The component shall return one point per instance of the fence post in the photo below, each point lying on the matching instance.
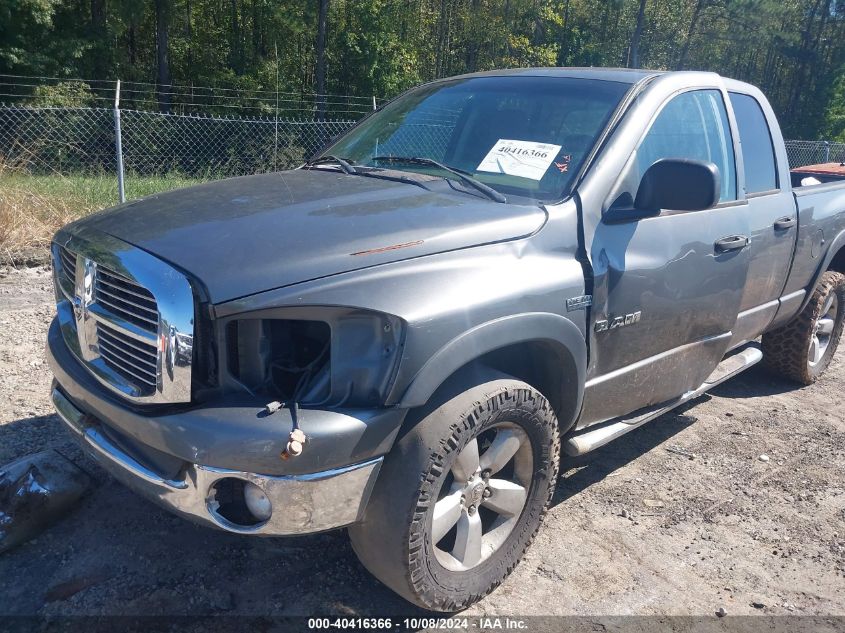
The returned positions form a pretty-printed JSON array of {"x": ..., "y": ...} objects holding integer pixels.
[
  {"x": 375, "y": 107},
  {"x": 276, "y": 126},
  {"x": 826, "y": 152},
  {"x": 118, "y": 146}
]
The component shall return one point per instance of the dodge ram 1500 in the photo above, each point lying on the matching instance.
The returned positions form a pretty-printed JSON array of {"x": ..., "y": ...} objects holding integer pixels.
[{"x": 407, "y": 334}]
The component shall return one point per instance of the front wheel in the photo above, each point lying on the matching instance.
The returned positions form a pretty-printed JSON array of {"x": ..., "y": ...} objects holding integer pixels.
[{"x": 461, "y": 496}]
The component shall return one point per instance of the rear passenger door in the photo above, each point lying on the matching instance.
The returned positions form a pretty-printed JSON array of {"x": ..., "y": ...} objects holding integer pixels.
[{"x": 772, "y": 220}]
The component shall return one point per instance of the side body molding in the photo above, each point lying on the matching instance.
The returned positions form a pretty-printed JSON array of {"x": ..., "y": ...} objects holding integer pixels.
[{"x": 562, "y": 335}]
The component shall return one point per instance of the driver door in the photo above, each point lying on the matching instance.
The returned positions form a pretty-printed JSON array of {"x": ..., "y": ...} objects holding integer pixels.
[{"x": 666, "y": 293}]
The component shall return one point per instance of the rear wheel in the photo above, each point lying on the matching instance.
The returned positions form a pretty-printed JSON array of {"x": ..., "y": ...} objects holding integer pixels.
[
  {"x": 803, "y": 348},
  {"x": 461, "y": 496}
]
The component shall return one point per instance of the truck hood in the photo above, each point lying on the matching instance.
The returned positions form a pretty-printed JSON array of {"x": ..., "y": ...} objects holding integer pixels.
[{"x": 246, "y": 235}]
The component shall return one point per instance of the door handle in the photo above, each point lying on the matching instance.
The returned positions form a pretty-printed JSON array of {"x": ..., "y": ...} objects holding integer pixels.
[
  {"x": 784, "y": 223},
  {"x": 731, "y": 243}
]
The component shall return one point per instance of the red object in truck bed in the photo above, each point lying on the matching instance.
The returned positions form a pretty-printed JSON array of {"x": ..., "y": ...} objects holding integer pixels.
[{"x": 830, "y": 171}]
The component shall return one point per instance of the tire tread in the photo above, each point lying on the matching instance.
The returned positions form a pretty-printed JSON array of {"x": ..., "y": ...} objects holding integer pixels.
[
  {"x": 385, "y": 553},
  {"x": 785, "y": 348}
]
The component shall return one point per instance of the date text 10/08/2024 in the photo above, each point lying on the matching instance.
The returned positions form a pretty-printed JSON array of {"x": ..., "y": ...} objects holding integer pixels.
[{"x": 446, "y": 624}]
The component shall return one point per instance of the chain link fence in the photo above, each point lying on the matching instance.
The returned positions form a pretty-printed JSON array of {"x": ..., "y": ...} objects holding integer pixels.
[
  {"x": 44, "y": 140},
  {"x": 66, "y": 140},
  {"x": 802, "y": 153},
  {"x": 57, "y": 140},
  {"x": 217, "y": 147}
]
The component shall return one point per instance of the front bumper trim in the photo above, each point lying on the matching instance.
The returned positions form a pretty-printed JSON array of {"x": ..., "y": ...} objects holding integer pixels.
[{"x": 301, "y": 504}]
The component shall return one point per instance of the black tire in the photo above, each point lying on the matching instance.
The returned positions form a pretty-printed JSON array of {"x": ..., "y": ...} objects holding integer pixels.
[
  {"x": 394, "y": 541},
  {"x": 787, "y": 350}
]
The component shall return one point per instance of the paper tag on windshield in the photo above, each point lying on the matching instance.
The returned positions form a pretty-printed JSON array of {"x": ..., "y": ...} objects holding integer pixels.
[{"x": 526, "y": 159}]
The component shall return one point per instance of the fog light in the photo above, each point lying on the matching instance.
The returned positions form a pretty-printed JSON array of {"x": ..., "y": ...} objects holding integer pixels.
[{"x": 257, "y": 502}]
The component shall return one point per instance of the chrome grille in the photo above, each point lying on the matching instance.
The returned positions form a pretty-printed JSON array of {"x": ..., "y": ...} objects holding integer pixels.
[
  {"x": 66, "y": 271},
  {"x": 126, "y": 315},
  {"x": 127, "y": 299},
  {"x": 135, "y": 360}
]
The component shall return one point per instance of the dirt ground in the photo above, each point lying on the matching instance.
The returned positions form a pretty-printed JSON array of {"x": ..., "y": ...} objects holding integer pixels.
[{"x": 679, "y": 517}]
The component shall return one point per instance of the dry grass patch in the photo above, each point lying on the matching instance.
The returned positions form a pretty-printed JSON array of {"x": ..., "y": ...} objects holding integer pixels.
[
  {"x": 28, "y": 219},
  {"x": 34, "y": 206}
]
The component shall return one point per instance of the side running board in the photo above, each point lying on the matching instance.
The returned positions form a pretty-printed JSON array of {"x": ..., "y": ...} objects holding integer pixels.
[{"x": 593, "y": 438}]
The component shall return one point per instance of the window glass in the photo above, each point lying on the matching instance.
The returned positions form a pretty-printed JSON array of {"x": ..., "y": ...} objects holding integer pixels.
[
  {"x": 758, "y": 153},
  {"x": 460, "y": 122},
  {"x": 693, "y": 125}
]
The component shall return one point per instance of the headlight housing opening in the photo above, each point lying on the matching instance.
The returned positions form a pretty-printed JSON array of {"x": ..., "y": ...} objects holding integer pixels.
[{"x": 336, "y": 357}]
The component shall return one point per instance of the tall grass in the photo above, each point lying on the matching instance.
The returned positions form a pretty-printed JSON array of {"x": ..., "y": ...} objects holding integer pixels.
[{"x": 34, "y": 206}]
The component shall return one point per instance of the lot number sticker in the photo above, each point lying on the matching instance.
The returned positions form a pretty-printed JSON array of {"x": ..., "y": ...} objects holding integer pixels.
[{"x": 526, "y": 159}]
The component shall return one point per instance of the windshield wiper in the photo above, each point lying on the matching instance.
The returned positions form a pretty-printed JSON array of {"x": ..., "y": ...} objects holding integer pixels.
[
  {"x": 464, "y": 177},
  {"x": 345, "y": 166}
]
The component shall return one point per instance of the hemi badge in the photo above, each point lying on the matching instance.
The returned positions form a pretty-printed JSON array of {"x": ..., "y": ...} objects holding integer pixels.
[{"x": 579, "y": 303}]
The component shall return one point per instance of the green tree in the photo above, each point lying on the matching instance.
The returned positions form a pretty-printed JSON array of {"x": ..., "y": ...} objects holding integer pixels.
[
  {"x": 793, "y": 49},
  {"x": 25, "y": 28},
  {"x": 834, "y": 127}
]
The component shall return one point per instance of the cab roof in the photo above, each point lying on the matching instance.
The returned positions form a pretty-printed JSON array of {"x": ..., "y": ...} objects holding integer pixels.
[{"x": 620, "y": 75}]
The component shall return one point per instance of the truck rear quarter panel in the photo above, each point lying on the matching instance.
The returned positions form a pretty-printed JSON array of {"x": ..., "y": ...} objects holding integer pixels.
[{"x": 821, "y": 237}]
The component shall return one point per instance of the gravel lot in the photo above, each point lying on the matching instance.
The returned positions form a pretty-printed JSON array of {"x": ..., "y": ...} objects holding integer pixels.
[{"x": 678, "y": 517}]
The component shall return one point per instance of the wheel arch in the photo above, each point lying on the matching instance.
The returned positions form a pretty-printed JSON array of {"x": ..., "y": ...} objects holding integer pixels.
[
  {"x": 837, "y": 256},
  {"x": 545, "y": 350},
  {"x": 834, "y": 259}
]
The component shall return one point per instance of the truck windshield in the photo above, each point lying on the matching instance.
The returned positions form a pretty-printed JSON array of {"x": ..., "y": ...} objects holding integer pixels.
[{"x": 525, "y": 136}]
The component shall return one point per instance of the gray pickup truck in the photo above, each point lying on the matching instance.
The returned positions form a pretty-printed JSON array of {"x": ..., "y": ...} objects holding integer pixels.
[{"x": 405, "y": 335}]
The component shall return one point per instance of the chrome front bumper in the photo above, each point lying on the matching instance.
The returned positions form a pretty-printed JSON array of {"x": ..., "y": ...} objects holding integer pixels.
[{"x": 301, "y": 503}]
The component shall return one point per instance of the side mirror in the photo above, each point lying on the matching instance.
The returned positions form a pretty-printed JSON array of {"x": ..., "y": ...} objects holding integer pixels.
[{"x": 679, "y": 184}]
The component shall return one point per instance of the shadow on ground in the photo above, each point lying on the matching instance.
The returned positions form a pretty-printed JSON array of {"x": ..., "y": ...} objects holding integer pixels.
[
  {"x": 595, "y": 466},
  {"x": 581, "y": 472},
  {"x": 755, "y": 383},
  {"x": 119, "y": 554}
]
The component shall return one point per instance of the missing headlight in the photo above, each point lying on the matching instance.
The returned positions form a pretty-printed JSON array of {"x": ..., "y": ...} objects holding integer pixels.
[
  {"x": 318, "y": 356},
  {"x": 288, "y": 359}
]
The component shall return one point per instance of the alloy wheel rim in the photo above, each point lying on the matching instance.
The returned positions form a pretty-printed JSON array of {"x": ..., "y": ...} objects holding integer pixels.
[
  {"x": 482, "y": 497},
  {"x": 823, "y": 330}
]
